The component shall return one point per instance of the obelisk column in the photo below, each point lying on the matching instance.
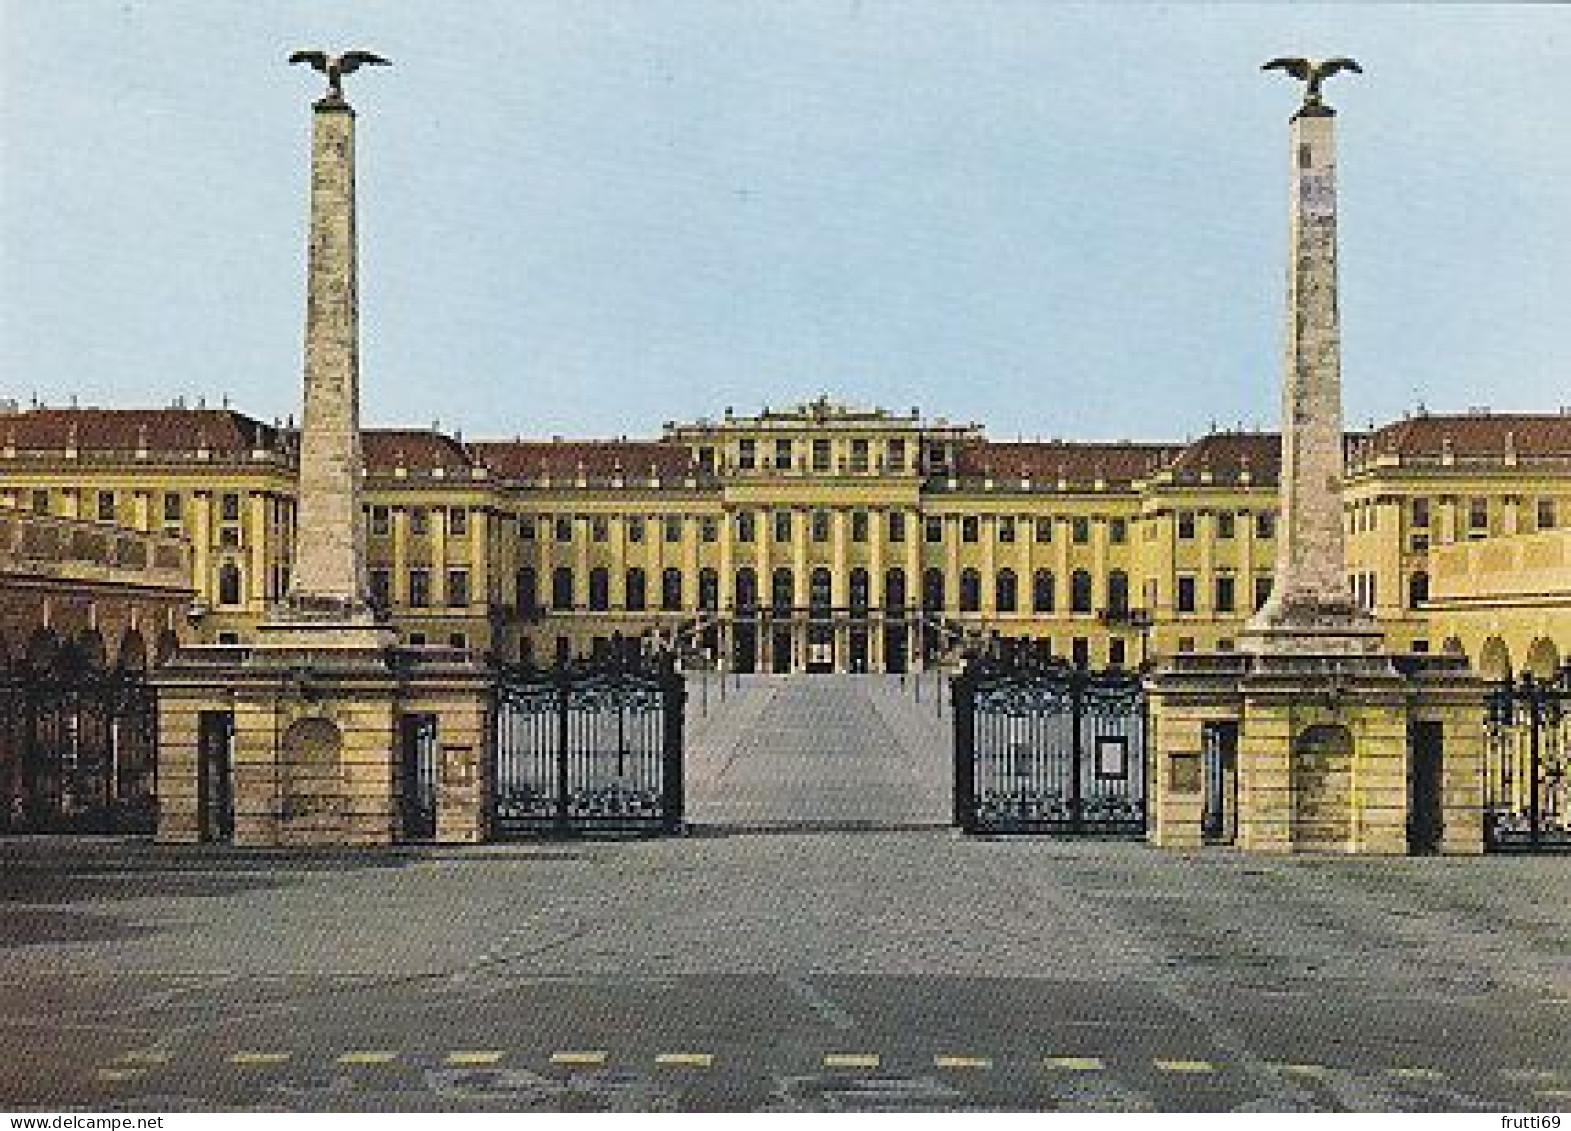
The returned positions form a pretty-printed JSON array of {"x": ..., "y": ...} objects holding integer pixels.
[
  {"x": 1309, "y": 609},
  {"x": 329, "y": 575}
]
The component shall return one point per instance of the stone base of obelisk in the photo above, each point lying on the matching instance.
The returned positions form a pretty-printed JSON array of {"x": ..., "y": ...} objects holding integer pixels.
[
  {"x": 303, "y": 740},
  {"x": 1302, "y": 752}
]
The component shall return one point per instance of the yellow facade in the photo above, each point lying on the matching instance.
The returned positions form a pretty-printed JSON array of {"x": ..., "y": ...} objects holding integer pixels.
[{"x": 820, "y": 537}]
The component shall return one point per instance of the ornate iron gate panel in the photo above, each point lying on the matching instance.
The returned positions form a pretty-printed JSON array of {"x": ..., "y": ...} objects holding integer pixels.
[
  {"x": 76, "y": 745},
  {"x": 1219, "y": 763},
  {"x": 587, "y": 748},
  {"x": 1046, "y": 748},
  {"x": 417, "y": 775},
  {"x": 1527, "y": 759}
]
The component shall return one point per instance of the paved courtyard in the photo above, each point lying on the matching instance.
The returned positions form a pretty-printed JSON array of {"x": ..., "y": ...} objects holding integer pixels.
[{"x": 798, "y": 952}]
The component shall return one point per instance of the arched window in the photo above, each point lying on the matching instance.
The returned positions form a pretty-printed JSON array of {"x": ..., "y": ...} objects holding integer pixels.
[
  {"x": 526, "y": 592},
  {"x": 895, "y": 589},
  {"x": 746, "y": 589},
  {"x": 1007, "y": 591},
  {"x": 637, "y": 590},
  {"x": 671, "y": 590},
  {"x": 819, "y": 593},
  {"x": 933, "y": 590},
  {"x": 708, "y": 590},
  {"x": 970, "y": 591},
  {"x": 562, "y": 588},
  {"x": 1080, "y": 592},
  {"x": 860, "y": 583},
  {"x": 229, "y": 584},
  {"x": 1042, "y": 595},
  {"x": 599, "y": 589},
  {"x": 1417, "y": 589},
  {"x": 1118, "y": 591},
  {"x": 782, "y": 590}
]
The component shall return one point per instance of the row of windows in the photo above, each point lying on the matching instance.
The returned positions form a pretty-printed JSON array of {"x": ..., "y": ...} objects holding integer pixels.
[
  {"x": 419, "y": 588},
  {"x": 783, "y": 525},
  {"x": 1224, "y": 593},
  {"x": 1545, "y": 514},
  {"x": 782, "y": 455},
  {"x": 107, "y": 505},
  {"x": 420, "y": 520},
  {"x": 1227, "y": 523}
]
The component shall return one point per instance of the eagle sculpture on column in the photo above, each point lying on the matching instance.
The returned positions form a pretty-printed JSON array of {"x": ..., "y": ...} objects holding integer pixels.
[
  {"x": 1313, "y": 71},
  {"x": 335, "y": 67}
]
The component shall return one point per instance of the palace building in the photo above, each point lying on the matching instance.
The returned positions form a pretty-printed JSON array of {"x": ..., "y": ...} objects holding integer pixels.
[{"x": 828, "y": 538}]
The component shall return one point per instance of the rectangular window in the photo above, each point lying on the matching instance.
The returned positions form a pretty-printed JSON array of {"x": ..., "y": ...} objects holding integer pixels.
[
  {"x": 933, "y": 529},
  {"x": 1118, "y": 531},
  {"x": 1186, "y": 643},
  {"x": 1186, "y": 594},
  {"x": 709, "y": 530},
  {"x": 419, "y": 521},
  {"x": 526, "y": 530},
  {"x": 229, "y": 506},
  {"x": 106, "y": 506},
  {"x": 1419, "y": 543},
  {"x": 673, "y": 529},
  {"x": 859, "y": 526},
  {"x": 229, "y": 537},
  {"x": 1265, "y": 524},
  {"x": 706, "y": 459},
  {"x": 1115, "y": 652},
  {"x": 745, "y": 523},
  {"x": 782, "y": 455},
  {"x": 897, "y": 455},
  {"x": 564, "y": 529},
  {"x": 1044, "y": 530},
  {"x": 1477, "y": 516},
  {"x": 970, "y": 529},
  {"x": 1546, "y": 514},
  {"x": 1080, "y": 530},
  {"x": 1262, "y": 591},
  {"x": 1224, "y": 524},
  {"x": 1420, "y": 512},
  {"x": 1006, "y": 528},
  {"x": 820, "y": 526},
  {"x": 746, "y": 454},
  {"x": 379, "y": 522},
  {"x": 782, "y": 526},
  {"x": 457, "y": 640},
  {"x": 40, "y": 501},
  {"x": 381, "y": 582},
  {"x": 1186, "y": 525},
  {"x": 858, "y": 455},
  {"x": 820, "y": 455},
  {"x": 897, "y": 526},
  {"x": 173, "y": 506},
  {"x": 419, "y": 588},
  {"x": 600, "y": 529},
  {"x": 1226, "y": 598},
  {"x": 458, "y": 588},
  {"x": 458, "y": 521}
]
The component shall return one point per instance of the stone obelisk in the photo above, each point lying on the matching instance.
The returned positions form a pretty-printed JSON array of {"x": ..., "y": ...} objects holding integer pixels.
[
  {"x": 327, "y": 585},
  {"x": 1310, "y": 610}
]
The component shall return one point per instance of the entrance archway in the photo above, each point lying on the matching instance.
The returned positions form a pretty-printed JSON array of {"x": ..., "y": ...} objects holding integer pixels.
[
  {"x": 1322, "y": 774},
  {"x": 312, "y": 776}
]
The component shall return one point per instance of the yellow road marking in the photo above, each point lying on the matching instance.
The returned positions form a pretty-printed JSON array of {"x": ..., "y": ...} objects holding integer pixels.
[
  {"x": 368, "y": 1057},
  {"x": 942, "y": 1061},
  {"x": 578, "y": 1058},
  {"x": 851, "y": 1060},
  {"x": 258, "y": 1058},
  {"x": 1303, "y": 1069},
  {"x": 686, "y": 1059},
  {"x": 471, "y": 1058},
  {"x": 120, "y": 1073},
  {"x": 1184, "y": 1066},
  {"x": 1408, "y": 1073},
  {"x": 1075, "y": 1063},
  {"x": 143, "y": 1056}
]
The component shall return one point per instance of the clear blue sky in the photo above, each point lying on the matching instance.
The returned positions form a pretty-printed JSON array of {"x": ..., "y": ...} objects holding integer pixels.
[{"x": 589, "y": 217}]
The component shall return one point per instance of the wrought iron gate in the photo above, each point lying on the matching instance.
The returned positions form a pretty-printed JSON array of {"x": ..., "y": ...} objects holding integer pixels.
[
  {"x": 77, "y": 745},
  {"x": 1527, "y": 777},
  {"x": 1046, "y": 748},
  {"x": 417, "y": 776},
  {"x": 587, "y": 747}
]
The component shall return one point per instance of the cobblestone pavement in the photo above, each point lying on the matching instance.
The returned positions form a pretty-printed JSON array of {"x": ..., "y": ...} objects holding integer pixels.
[{"x": 774, "y": 966}]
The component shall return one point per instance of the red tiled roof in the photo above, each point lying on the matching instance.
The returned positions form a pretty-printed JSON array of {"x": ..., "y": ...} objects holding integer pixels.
[
  {"x": 562, "y": 459},
  {"x": 173, "y": 430},
  {"x": 1476, "y": 435},
  {"x": 1226, "y": 454},
  {"x": 1077, "y": 463},
  {"x": 413, "y": 448}
]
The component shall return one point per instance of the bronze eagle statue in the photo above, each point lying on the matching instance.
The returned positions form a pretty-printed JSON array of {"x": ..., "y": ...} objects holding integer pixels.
[
  {"x": 1313, "y": 71},
  {"x": 335, "y": 67}
]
